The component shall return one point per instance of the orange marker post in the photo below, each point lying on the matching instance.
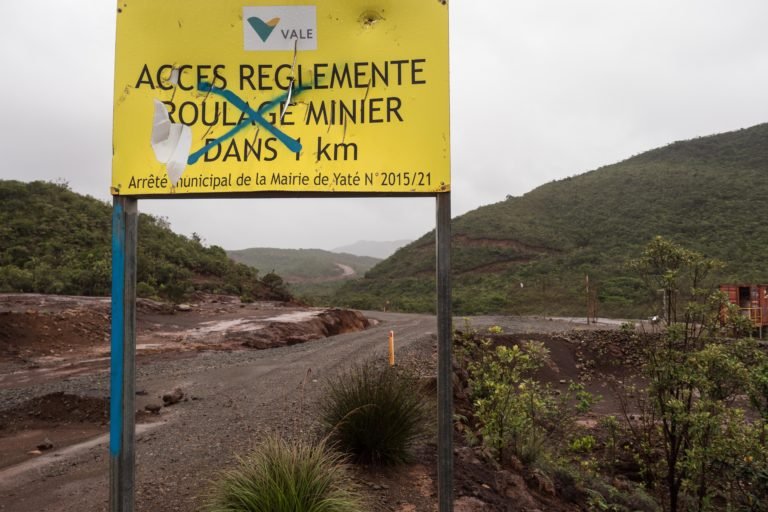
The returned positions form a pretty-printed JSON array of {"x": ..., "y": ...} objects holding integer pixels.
[{"x": 391, "y": 348}]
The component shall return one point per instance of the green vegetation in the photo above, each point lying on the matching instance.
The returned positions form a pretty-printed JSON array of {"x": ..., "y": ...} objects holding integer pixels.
[
  {"x": 514, "y": 413},
  {"x": 531, "y": 428},
  {"x": 312, "y": 275},
  {"x": 53, "y": 240},
  {"x": 299, "y": 265},
  {"x": 371, "y": 414},
  {"x": 583, "y": 444},
  {"x": 697, "y": 447},
  {"x": 678, "y": 273},
  {"x": 691, "y": 438},
  {"x": 316, "y": 294},
  {"x": 531, "y": 254},
  {"x": 283, "y": 476},
  {"x": 374, "y": 413}
]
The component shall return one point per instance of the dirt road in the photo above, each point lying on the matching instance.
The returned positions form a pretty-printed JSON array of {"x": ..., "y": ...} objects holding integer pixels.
[
  {"x": 346, "y": 271},
  {"x": 233, "y": 400},
  {"x": 232, "y": 397}
]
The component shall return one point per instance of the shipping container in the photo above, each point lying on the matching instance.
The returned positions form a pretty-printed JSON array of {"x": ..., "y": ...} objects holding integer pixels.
[{"x": 752, "y": 301}]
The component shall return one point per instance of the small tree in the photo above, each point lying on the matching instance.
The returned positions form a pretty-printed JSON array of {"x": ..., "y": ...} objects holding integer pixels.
[
  {"x": 276, "y": 286},
  {"x": 680, "y": 274},
  {"x": 693, "y": 380},
  {"x": 508, "y": 401},
  {"x": 516, "y": 413}
]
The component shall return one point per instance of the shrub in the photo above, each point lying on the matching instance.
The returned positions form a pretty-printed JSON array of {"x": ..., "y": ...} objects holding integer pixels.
[
  {"x": 373, "y": 413},
  {"x": 583, "y": 444},
  {"x": 628, "y": 327},
  {"x": 602, "y": 496},
  {"x": 514, "y": 412},
  {"x": 284, "y": 477},
  {"x": 145, "y": 290}
]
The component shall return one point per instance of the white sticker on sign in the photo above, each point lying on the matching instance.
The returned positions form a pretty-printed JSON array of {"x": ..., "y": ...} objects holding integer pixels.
[
  {"x": 280, "y": 28},
  {"x": 171, "y": 142}
]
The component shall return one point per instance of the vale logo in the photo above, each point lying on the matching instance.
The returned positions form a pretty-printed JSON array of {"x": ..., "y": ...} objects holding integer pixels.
[
  {"x": 279, "y": 28},
  {"x": 262, "y": 28}
]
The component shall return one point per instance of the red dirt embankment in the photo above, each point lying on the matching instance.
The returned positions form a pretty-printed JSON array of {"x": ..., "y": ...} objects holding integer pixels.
[
  {"x": 42, "y": 329},
  {"x": 47, "y": 339}
]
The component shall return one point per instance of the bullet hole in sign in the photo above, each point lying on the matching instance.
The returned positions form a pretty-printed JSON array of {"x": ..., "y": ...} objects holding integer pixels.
[{"x": 370, "y": 18}]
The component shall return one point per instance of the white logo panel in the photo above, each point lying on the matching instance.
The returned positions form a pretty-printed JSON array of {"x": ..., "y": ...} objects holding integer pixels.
[{"x": 280, "y": 28}]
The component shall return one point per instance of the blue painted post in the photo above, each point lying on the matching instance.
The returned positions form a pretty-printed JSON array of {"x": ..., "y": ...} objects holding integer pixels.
[{"x": 122, "y": 425}]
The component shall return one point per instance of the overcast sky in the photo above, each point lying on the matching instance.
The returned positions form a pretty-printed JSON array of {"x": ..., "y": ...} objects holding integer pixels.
[{"x": 540, "y": 90}]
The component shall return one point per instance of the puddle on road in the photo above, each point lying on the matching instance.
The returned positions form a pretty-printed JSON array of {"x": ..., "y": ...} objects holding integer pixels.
[
  {"x": 212, "y": 328},
  {"x": 239, "y": 324},
  {"x": 9, "y": 473},
  {"x": 147, "y": 346},
  {"x": 36, "y": 375},
  {"x": 292, "y": 318}
]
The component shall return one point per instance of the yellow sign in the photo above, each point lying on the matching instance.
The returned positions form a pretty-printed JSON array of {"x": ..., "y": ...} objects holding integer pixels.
[{"x": 216, "y": 97}]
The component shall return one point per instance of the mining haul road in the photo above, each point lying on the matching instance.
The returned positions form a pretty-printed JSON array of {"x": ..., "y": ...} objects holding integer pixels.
[{"x": 232, "y": 400}]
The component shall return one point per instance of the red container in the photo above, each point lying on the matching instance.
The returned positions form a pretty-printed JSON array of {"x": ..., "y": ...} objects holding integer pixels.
[{"x": 752, "y": 300}]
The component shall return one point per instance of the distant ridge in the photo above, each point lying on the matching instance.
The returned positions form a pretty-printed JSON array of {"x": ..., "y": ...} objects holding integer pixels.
[
  {"x": 373, "y": 249},
  {"x": 305, "y": 265},
  {"x": 531, "y": 254}
]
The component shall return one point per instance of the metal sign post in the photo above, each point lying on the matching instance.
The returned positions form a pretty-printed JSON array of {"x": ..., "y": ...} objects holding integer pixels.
[
  {"x": 122, "y": 431},
  {"x": 246, "y": 98},
  {"x": 122, "y": 446},
  {"x": 444, "y": 359}
]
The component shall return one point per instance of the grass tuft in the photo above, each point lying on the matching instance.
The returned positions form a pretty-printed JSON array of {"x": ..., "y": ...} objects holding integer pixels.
[
  {"x": 374, "y": 414},
  {"x": 285, "y": 477}
]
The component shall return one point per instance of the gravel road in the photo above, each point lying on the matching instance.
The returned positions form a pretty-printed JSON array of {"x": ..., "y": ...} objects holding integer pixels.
[{"x": 234, "y": 399}]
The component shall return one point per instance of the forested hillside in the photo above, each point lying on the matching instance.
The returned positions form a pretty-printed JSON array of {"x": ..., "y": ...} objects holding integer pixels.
[
  {"x": 302, "y": 265},
  {"x": 531, "y": 254},
  {"x": 53, "y": 240}
]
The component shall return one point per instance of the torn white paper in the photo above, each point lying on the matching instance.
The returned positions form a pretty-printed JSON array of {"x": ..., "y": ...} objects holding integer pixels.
[{"x": 171, "y": 142}]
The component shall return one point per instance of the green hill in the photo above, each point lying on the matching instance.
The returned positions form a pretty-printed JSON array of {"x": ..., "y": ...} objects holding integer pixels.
[
  {"x": 530, "y": 254},
  {"x": 302, "y": 265},
  {"x": 53, "y": 240},
  {"x": 313, "y": 275}
]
